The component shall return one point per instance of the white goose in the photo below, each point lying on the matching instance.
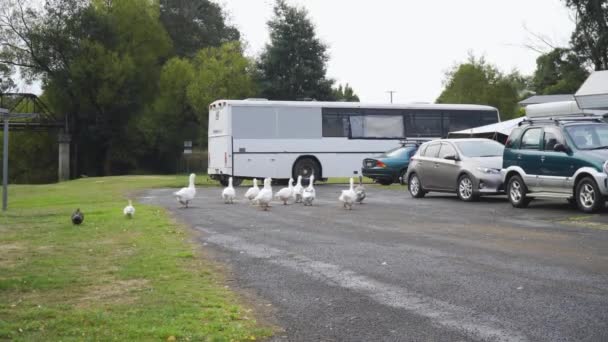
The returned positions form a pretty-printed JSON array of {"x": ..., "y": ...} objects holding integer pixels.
[
  {"x": 228, "y": 194},
  {"x": 185, "y": 195},
  {"x": 360, "y": 191},
  {"x": 349, "y": 196},
  {"x": 253, "y": 191},
  {"x": 309, "y": 194},
  {"x": 286, "y": 193},
  {"x": 129, "y": 211},
  {"x": 298, "y": 190},
  {"x": 264, "y": 198}
]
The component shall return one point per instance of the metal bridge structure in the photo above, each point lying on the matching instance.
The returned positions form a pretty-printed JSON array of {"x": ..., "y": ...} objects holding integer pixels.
[
  {"x": 26, "y": 112},
  {"x": 37, "y": 116}
]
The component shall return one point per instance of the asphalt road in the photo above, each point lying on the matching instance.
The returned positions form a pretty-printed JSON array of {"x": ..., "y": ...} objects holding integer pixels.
[{"x": 400, "y": 269}]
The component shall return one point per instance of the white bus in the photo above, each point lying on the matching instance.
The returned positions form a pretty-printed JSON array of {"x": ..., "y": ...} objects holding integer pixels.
[{"x": 281, "y": 139}]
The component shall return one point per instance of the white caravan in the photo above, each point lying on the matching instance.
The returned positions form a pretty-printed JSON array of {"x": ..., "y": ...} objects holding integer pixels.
[{"x": 280, "y": 139}]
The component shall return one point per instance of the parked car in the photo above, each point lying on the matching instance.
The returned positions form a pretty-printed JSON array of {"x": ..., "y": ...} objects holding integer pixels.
[
  {"x": 558, "y": 158},
  {"x": 468, "y": 167},
  {"x": 390, "y": 167}
]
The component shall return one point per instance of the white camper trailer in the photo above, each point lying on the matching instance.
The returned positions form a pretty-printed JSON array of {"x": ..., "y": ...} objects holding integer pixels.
[{"x": 280, "y": 139}]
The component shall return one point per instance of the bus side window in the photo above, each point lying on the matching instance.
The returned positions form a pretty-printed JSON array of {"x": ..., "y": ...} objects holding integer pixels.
[{"x": 335, "y": 125}]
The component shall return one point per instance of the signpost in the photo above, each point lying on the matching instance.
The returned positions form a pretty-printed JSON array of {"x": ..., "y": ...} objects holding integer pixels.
[
  {"x": 187, "y": 152},
  {"x": 6, "y": 116},
  {"x": 188, "y": 147}
]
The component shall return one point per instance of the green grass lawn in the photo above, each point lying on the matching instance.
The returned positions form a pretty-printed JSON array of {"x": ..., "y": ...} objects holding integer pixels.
[{"x": 111, "y": 278}]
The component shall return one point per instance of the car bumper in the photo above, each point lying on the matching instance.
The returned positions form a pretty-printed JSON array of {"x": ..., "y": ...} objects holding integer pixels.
[
  {"x": 602, "y": 182},
  {"x": 375, "y": 173},
  {"x": 489, "y": 184}
]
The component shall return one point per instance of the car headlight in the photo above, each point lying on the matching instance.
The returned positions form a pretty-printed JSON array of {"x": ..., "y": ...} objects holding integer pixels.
[
  {"x": 488, "y": 170},
  {"x": 605, "y": 166}
]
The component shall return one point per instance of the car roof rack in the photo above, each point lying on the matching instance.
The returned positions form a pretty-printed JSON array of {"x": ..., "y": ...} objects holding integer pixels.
[
  {"x": 416, "y": 141},
  {"x": 561, "y": 119}
]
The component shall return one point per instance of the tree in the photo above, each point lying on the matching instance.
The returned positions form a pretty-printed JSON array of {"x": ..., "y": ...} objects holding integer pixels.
[
  {"x": 99, "y": 62},
  {"x": 170, "y": 120},
  {"x": 590, "y": 37},
  {"x": 293, "y": 65},
  {"x": 219, "y": 73},
  {"x": 195, "y": 24},
  {"x": 346, "y": 94},
  {"x": 560, "y": 71},
  {"x": 476, "y": 82},
  {"x": 6, "y": 80}
]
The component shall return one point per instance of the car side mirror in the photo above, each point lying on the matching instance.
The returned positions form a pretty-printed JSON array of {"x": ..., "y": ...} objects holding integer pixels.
[
  {"x": 560, "y": 148},
  {"x": 451, "y": 157}
]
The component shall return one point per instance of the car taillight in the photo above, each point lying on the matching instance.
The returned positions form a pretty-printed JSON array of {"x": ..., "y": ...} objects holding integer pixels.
[{"x": 380, "y": 164}]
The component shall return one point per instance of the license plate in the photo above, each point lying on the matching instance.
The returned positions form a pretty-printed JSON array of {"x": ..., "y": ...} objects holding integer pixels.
[{"x": 370, "y": 164}]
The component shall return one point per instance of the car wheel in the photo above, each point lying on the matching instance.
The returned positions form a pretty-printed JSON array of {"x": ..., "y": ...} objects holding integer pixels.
[
  {"x": 517, "y": 192},
  {"x": 385, "y": 181},
  {"x": 236, "y": 181},
  {"x": 465, "y": 189},
  {"x": 402, "y": 177},
  {"x": 588, "y": 196},
  {"x": 415, "y": 186}
]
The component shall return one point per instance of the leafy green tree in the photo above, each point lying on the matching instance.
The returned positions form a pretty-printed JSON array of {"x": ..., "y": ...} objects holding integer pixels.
[
  {"x": 476, "y": 82},
  {"x": 219, "y": 73},
  {"x": 195, "y": 24},
  {"x": 346, "y": 94},
  {"x": 170, "y": 120},
  {"x": 559, "y": 72},
  {"x": 590, "y": 37},
  {"x": 293, "y": 65},
  {"x": 6, "y": 79},
  {"x": 99, "y": 62}
]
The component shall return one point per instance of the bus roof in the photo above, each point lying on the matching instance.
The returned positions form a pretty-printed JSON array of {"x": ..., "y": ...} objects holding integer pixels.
[{"x": 266, "y": 103}]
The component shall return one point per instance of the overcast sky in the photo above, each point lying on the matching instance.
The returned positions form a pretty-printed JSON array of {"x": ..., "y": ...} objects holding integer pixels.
[{"x": 407, "y": 46}]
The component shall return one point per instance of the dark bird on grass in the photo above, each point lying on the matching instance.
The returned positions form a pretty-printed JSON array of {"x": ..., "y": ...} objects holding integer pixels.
[{"x": 77, "y": 217}]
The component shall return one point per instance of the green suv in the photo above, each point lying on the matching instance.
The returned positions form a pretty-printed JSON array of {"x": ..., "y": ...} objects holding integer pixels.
[{"x": 558, "y": 158}]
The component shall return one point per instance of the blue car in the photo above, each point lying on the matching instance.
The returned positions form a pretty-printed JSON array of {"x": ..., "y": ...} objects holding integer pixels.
[{"x": 391, "y": 166}]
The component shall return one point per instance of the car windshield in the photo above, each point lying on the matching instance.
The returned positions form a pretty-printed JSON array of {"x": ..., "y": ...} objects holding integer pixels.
[
  {"x": 480, "y": 148},
  {"x": 589, "y": 137},
  {"x": 396, "y": 152}
]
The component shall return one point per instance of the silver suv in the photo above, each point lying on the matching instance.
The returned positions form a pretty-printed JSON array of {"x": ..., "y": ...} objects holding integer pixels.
[{"x": 468, "y": 167}]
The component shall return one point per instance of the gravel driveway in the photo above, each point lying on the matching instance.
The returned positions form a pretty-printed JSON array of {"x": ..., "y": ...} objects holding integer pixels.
[{"x": 400, "y": 269}]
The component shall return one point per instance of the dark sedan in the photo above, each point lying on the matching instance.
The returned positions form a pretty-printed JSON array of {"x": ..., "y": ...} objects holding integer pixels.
[{"x": 390, "y": 167}]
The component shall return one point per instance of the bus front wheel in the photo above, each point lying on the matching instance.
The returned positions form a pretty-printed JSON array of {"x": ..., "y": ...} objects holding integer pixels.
[{"x": 306, "y": 167}]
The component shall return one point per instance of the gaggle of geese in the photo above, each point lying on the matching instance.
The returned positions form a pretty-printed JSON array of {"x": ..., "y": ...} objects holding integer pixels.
[
  {"x": 256, "y": 196},
  {"x": 263, "y": 197}
]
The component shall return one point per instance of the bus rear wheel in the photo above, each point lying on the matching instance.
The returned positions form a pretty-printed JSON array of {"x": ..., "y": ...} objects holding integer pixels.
[
  {"x": 236, "y": 181},
  {"x": 306, "y": 167}
]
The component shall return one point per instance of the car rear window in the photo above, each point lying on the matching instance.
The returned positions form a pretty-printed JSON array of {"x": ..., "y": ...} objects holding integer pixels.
[
  {"x": 480, "y": 148},
  {"x": 400, "y": 152}
]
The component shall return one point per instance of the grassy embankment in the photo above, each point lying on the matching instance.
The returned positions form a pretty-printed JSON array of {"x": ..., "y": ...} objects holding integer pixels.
[{"x": 111, "y": 278}]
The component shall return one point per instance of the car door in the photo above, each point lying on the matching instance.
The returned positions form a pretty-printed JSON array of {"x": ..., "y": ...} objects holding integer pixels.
[
  {"x": 555, "y": 167},
  {"x": 529, "y": 158},
  {"x": 427, "y": 165},
  {"x": 446, "y": 171}
]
